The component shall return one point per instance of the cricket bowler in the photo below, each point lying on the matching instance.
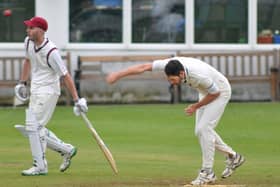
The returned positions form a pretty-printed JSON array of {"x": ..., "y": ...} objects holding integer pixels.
[
  {"x": 45, "y": 67},
  {"x": 214, "y": 94}
]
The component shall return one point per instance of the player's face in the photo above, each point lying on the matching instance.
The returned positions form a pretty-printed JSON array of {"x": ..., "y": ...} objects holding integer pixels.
[
  {"x": 174, "y": 80},
  {"x": 33, "y": 32}
]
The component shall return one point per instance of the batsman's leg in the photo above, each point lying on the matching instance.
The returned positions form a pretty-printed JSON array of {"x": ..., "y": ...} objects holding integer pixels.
[
  {"x": 36, "y": 140},
  {"x": 44, "y": 113},
  {"x": 67, "y": 151}
]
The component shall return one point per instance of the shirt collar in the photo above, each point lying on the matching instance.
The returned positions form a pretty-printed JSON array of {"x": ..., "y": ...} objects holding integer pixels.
[{"x": 44, "y": 43}]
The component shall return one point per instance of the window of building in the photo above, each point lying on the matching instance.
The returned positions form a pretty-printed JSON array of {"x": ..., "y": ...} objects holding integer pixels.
[
  {"x": 13, "y": 13},
  {"x": 96, "y": 21},
  {"x": 268, "y": 21},
  {"x": 221, "y": 21},
  {"x": 155, "y": 21}
]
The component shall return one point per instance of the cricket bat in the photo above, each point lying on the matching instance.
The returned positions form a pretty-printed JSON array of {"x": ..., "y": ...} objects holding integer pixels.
[{"x": 101, "y": 144}]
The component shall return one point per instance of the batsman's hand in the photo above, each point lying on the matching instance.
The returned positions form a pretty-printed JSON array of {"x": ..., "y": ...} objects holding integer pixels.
[
  {"x": 21, "y": 92},
  {"x": 80, "y": 106}
]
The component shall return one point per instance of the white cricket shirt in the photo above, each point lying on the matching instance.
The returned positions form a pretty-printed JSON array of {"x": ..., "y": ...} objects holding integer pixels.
[
  {"x": 46, "y": 67},
  {"x": 199, "y": 75}
]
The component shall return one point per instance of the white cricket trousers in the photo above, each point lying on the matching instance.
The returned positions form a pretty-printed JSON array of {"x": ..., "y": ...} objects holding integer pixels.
[
  {"x": 207, "y": 118},
  {"x": 43, "y": 106}
]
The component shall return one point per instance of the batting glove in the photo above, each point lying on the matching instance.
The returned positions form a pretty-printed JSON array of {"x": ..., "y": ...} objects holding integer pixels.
[
  {"x": 21, "y": 91},
  {"x": 80, "y": 106}
]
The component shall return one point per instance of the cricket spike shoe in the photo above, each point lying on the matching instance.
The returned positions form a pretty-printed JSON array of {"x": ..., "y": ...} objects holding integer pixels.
[
  {"x": 67, "y": 159},
  {"x": 34, "y": 171},
  {"x": 204, "y": 178},
  {"x": 232, "y": 164}
]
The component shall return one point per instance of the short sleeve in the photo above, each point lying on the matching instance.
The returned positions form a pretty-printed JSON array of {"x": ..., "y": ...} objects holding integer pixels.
[
  {"x": 159, "y": 65},
  {"x": 56, "y": 62}
]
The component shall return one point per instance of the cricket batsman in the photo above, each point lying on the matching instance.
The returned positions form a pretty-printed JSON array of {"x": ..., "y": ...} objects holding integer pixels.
[
  {"x": 214, "y": 94},
  {"x": 45, "y": 67}
]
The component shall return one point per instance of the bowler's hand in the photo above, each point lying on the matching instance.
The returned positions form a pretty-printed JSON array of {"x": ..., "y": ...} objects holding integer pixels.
[
  {"x": 191, "y": 109},
  {"x": 80, "y": 106},
  {"x": 112, "y": 78}
]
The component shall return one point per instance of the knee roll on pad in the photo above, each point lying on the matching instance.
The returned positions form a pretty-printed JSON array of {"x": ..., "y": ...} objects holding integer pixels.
[{"x": 30, "y": 121}]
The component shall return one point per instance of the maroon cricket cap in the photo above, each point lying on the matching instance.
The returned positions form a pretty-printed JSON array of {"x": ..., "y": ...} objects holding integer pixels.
[{"x": 37, "y": 22}]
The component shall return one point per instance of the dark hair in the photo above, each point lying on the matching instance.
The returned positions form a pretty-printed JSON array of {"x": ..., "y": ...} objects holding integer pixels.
[{"x": 173, "y": 67}]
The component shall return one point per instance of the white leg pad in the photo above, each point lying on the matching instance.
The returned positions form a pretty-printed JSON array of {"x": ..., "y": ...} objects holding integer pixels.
[
  {"x": 36, "y": 145},
  {"x": 43, "y": 140},
  {"x": 53, "y": 142},
  {"x": 21, "y": 129},
  {"x": 56, "y": 144}
]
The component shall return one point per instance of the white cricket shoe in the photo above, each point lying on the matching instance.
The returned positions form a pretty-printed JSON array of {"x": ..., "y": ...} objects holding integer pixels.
[
  {"x": 67, "y": 159},
  {"x": 34, "y": 171},
  {"x": 204, "y": 178},
  {"x": 232, "y": 164}
]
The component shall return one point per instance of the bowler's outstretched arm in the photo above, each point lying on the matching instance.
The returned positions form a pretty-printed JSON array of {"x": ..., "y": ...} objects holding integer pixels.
[{"x": 132, "y": 70}]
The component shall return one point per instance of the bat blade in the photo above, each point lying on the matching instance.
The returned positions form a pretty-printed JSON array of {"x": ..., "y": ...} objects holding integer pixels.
[{"x": 101, "y": 144}]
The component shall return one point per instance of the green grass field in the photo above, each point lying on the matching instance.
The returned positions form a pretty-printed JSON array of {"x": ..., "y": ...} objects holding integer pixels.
[{"x": 154, "y": 145}]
